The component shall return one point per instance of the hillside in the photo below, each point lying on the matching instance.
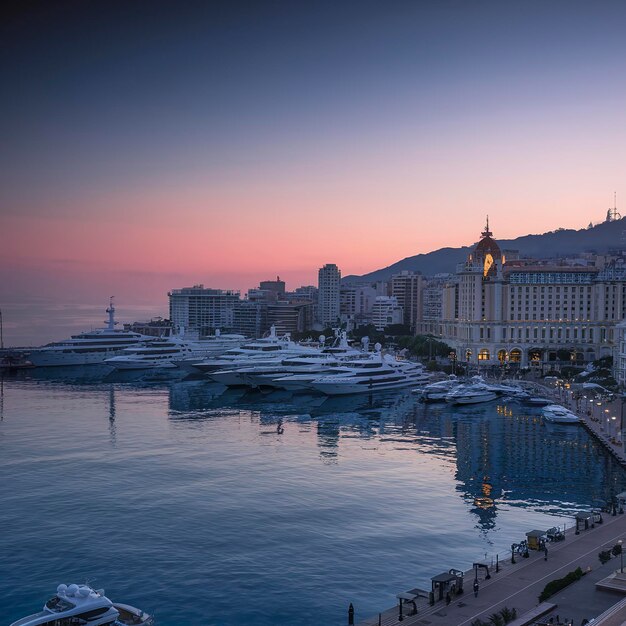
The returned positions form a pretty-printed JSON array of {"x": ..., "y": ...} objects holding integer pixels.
[{"x": 600, "y": 239}]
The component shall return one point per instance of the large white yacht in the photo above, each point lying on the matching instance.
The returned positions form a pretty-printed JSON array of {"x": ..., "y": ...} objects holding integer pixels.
[
  {"x": 302, "y": 360},
  {"x": 88, "y": 348},
  {"x": 172, "y": 351},
  {"x": 80, "y": 604},
  {"x": 266, "y": 349},
  {"x": 378, "y": 373}
]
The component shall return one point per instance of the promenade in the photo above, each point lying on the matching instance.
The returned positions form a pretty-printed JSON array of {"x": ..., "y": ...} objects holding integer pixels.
[{"x": 519, "y": 585}]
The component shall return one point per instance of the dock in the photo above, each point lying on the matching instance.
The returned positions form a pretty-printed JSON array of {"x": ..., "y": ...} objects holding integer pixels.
[{"x": 517, "y": 586}]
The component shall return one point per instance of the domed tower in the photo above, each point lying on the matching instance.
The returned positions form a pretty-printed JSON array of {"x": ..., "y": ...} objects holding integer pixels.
[{"x": 488, "y": 254}]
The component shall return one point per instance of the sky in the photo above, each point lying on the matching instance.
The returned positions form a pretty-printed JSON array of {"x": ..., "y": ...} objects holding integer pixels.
[{"x": 151, "y": 145}]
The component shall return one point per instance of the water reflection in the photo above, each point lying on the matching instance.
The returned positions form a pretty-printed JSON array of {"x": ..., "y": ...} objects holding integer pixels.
[{"x": 502, "y": 455}]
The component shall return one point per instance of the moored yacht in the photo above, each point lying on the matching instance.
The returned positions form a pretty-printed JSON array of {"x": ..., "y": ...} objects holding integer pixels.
[
  {"x": 437, "y": 392},
  {"x": 559, "y": 415},
  {"x": 471, "y": 394},
  {"x": 376, "y": 374},
  {"x": 80, "y": 604},
  {"x": 88, "y": 348},
  {"x": 168, "y": 352},
  {"x": 266, "y": 349}
]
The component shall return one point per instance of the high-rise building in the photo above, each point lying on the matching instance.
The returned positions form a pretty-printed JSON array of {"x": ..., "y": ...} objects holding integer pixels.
[
  {"x": 329, "y": 282},
  {"x": 386, "y": 311},
  {"x": 406, "y": 288},
  {"x": 202, "y": 310}
]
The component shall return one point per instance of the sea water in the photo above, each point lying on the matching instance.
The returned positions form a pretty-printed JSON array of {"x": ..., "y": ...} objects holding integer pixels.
[{"x": 209, "y": 506}]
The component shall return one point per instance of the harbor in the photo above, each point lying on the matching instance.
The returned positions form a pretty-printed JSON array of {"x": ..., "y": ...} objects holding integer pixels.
[{"x": 315, "y": 501}]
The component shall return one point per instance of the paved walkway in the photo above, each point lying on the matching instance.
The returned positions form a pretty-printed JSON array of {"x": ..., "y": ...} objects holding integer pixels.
[{"x": 518, "y": 586}]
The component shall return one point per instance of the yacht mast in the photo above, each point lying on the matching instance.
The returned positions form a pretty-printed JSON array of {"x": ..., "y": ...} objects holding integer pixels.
[{"x": 111, "y": 312}]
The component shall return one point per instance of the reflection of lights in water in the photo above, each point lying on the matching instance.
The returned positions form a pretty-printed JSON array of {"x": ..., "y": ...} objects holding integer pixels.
[
  {"x": 485, "y": 501},
  {"x": 504, "y": 410}
]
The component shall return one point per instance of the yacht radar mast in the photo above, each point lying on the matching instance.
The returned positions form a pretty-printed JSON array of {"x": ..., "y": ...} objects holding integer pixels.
[{"x": 111, "y": 311}]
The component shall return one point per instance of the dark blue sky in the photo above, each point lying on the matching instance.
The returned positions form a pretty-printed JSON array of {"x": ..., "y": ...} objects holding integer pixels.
[{"x": 229, "y": 143}]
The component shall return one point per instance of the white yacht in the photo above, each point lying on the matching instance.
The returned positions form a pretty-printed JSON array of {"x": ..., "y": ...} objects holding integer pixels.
[
  {"x": 559, "y": 415},
  {"x": 314, "y": 362},
  {"x": 375, "y": 374},
  {"x": 212, "y": 345},
  {"x": 80, "y": 604},
  {"x": 266, "y": 349},
  {"x": 170, "y": 351},
  {"x": 437, "y": 392},
  {"x": 88, "y": 348},
  {"x": 471, "y": 394}
]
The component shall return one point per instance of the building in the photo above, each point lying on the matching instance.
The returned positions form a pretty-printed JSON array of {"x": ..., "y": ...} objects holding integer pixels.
[
  {"x": 386, "y": 311},
  {"x": 274, "y": 286},
  {"x": 620, "y": 355},
  {"x": 407, "y": 288},
  {"x": 329, "y": 283},
  {"x": 250, "y": 318},
  {"x": 201, "y": 309},
  {"x": 156, "y": 327},
  {"x": 530, "y": 312},
  {"x": 289, "y": 317},
  {"x": 432, "y": 304}
]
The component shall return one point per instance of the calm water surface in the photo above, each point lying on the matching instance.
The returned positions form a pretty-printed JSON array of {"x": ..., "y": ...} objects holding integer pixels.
[{"x": 208, "y": 506}]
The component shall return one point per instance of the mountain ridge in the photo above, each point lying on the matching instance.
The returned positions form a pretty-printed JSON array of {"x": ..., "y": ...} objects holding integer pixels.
[{"x": 600, "y": 239}]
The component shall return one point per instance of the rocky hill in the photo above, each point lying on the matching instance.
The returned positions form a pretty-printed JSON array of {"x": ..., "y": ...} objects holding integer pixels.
[{"x": 601, "y": 238}]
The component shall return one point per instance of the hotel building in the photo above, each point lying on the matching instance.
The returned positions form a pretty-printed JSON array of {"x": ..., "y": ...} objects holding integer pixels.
[{"x": 532, "y": 313}]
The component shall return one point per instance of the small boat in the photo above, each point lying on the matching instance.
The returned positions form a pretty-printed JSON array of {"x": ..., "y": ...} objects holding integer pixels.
[
  {"x": 80, "y": 604},
  {"x": 558, "y": 414}
]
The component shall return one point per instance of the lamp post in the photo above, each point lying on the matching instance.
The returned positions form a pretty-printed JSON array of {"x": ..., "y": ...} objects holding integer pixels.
[{"x": 621, "y": 556}]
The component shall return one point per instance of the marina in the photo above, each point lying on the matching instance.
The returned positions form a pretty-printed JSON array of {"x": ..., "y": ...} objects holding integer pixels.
[{"x": 304, "y": 503}]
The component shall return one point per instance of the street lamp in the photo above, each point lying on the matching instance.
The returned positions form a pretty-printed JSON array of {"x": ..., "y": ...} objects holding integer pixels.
[{"x": 621, "y": 556}]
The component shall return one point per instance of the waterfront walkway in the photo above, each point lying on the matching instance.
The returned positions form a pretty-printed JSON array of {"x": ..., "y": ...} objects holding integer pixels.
[{"x": 519, "y": 585}]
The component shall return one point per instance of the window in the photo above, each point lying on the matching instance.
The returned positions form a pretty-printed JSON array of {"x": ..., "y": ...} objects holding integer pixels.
[{"x": 483, "y": 354}]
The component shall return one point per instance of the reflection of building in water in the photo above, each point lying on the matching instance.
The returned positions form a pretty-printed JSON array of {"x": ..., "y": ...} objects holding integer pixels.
[
  {"x": 517, "y": 458},
  {"x": 328, "y": 440}
]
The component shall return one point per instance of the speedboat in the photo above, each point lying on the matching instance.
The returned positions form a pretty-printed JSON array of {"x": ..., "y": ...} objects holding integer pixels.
[
  {"x": 88, "y": 348},
  {"x": 80, "y": 604},
  {"x": 471, "y": 394},
  {"x": 558, "y": 414},
  {"x": 376, "y": 374}
]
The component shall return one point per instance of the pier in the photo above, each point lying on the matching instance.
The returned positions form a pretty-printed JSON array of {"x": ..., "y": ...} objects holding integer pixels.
[{"x": 518, "y": 585}]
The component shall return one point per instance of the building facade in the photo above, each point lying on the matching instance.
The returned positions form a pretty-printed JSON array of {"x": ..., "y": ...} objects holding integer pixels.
[
  {"x": 329, "y": 283},
  {"x": 202, "y": 310},
  {"x": 386, "y": 311},
  {"x": 532, "y": 313},
  {"x": 407, "y": 289}
]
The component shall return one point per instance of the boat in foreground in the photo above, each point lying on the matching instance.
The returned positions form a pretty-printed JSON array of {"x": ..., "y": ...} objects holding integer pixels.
[{"x": 80, "y": 604}]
